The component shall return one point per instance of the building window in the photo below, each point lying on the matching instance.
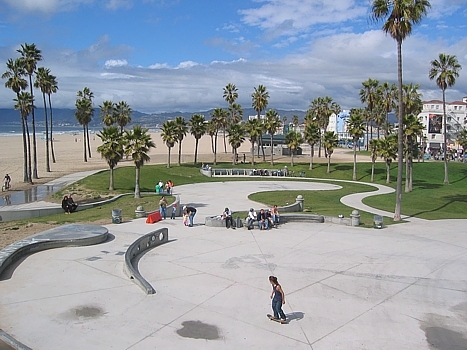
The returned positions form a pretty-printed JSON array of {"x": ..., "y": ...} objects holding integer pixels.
[
  {"x": 432, "y": 106},
  {"x": 437, "y": 106},
  {"x": 433, "y": 136}
]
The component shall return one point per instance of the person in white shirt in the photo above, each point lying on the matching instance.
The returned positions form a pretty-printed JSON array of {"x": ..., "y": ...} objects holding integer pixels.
[
  {"x": 251, "y": 218},
  {"x": 227, "y": 216}
]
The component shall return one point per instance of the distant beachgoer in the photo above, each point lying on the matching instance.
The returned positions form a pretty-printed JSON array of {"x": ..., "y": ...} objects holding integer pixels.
[
  {"x": 71, "y": 204},
  {"x": 174, "y": 210},
  {"x": 227, "y": 216}
]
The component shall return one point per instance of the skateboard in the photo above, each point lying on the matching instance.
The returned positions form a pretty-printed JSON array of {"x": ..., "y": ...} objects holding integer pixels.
[{"x": 271, "y": 317}]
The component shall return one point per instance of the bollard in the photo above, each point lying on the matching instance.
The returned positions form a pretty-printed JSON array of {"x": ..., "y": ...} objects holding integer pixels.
[
  {"x": 140, "y": 212},
  {"x": 355, "y": 218},
  {"x": 300, "y": 201}
]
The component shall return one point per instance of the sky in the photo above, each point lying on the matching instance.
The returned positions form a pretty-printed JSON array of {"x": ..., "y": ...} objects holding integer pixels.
[{"x": 178, "y": 55}]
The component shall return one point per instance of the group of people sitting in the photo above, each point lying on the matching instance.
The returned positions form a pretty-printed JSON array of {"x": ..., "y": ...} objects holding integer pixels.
[
  {"x": 164, "y": 188},
  {"x": 265, "y": 218},
  {"x": 68, "y": 204}
]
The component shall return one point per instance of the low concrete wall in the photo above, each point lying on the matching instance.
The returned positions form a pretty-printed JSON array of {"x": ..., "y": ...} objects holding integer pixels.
[
  {"x": 206, "y": 172},
  {"x": 301, "y": 217},
  {"x": 64, "y": 236},
  {"x": 137, "y": 249}
]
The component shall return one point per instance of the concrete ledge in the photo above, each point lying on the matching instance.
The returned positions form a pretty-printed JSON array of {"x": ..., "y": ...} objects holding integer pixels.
[
  {"x": 137, "y": 249},
  {"x": 301, "y": 217},
  {"x": 71, "y": 235},
  {"x": 178, "y": 212},
  {"x": 11, "y": 342}
]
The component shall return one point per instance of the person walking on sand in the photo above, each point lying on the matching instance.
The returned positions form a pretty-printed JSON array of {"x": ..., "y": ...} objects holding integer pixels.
[{"x": 278, "y": 298}]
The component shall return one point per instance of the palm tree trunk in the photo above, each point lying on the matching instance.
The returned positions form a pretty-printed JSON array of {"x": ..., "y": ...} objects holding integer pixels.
[
  {"x": 225, "y": 143},
  {"x": 329, "y": 164},
  {"x": 446, "y": 174},
  {"x": 354, "y": 161},
  {"x": 291, "y": 156},
  {"x": 137, "y": 192},
  {"x": 262, "y": 148},
  {"x": 253, "y": 153},
  {"x": 51, "y": 135},
  {"x": 29, "y": 153},
  {"x": 407, "y": 171},
  {"x": 196, "y": 150},
  {"x": 25, "y": 151},
  {"x": 84, "y": 144},
  {"x": 372, "y": 170},
  {"x": 319, "y": 147},
  {"x": 272, "y": 151},
  {"x": 34, "y": 143},
  {"x": 311, "y": 156},
  {"x": 180, "y": 152},
  {"x": 87, "y": 140},
  {"x": 411, "y": 174},
  {"x": 400, "y": 136},
  {"x": 168, "y": 158},
  {"x": 234, "y": 160},
  {"x": 111, "y": 184},
  {"x": 215, "y": 149},
  {"x": 388, "y": 174},
  {"x": 47, "y": 155}
]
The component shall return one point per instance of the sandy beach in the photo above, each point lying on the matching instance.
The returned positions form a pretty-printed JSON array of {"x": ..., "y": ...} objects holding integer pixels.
[{"x": 70, "y": 156}]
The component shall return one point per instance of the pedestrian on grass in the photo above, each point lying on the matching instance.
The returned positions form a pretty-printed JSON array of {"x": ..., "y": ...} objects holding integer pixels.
[{"x": 278, "y": 299}]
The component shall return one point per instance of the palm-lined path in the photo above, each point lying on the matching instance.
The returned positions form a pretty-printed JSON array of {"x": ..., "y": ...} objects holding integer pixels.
[{"x": 347, "y": 287}]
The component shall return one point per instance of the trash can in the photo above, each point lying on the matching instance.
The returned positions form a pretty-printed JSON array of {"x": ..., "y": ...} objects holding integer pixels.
[
  {"x": 378, "y": 221},
  {"x": 116, "y": 216}
]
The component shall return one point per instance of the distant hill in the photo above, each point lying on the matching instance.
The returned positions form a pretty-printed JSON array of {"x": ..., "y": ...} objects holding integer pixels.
[{"x": 63, "y": 116}]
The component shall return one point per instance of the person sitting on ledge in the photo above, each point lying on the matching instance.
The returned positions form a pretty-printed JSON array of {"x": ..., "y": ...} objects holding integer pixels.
[
  {"x": 262, "y": 220},
  {"x": 71, "y": 204},
  {"x": 251, "y": 218},
  {"x": 227, "y": 216},
  {"x": 65, "y": 205}
]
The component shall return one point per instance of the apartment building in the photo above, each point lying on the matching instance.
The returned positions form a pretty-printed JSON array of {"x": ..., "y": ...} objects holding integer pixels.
[{"x": 432, "y": 119}]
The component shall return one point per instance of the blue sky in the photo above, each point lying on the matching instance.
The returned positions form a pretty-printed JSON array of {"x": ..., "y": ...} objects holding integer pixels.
[{"x": 177, "y": 55}]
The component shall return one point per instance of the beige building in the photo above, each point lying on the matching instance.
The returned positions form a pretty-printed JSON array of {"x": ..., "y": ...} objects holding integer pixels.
[{"x": 432, "y": 119}]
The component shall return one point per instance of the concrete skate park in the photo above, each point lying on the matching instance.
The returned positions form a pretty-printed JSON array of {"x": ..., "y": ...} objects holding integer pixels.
[{"x": 400, "y": 287}]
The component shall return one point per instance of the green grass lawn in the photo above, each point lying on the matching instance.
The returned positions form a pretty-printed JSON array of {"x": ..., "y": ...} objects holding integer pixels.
[{"x": 430, "y": 199}]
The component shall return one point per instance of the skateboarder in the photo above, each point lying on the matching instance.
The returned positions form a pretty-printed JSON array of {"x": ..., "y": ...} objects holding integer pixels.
[{"x": 278, "y": 298}]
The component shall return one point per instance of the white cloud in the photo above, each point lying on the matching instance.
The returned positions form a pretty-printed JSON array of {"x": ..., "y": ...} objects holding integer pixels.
[
  {"x": 115, "y": 63},
  {"x": 45, "y": 6},
  {"x": 187, "y": 64}
]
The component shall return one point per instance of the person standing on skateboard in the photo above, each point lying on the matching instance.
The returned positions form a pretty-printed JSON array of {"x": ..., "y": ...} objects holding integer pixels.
[{"x": 278, "y": 298}]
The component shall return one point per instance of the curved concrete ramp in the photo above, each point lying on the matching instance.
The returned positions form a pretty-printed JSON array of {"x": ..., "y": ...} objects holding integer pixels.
[{"x": 58, "y": 237}]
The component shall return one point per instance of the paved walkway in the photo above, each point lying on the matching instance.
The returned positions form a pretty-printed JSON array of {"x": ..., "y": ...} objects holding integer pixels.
[{"x": 402, "y": 287}]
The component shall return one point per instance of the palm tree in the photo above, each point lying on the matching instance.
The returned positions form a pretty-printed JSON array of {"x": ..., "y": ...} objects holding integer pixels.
[
  {"x": 31, "y": 55},
  {"x": 253, "y": 129},
  {"x": 211, "y": 130},
  {"x": 330, "y": 141},
  {"x": 169, "y": 136},
  {"x": 271, "y": 124},
  {"x": 259, "y": 101},
  {"x": 53, "y": 89},
  {"x": 111, "y": 149},
  {"x": 122, "y": 114},
  {"x": 399, "y": 16},
  {"x": 230, "y": 95},
  {"x": 108, "y": 113},
  {"x": 25, "y": 104},
  {"x": 236, "y": 138},
  {"x": 83, "y": 115},
  {"x": 373, "y": 148},
  {"x": 295, "y": 122},
  {"x": 16, "y": 82},
  {"x": 356, "y": 129},
  {"x": 387, "y": 149},
  {"x": 197, "y": 125},
  {"x": 445, "y": 71},
  {"x": 218, "y": 121},
  {"x": 312, "y": 135},
  {"x": 236, "y": 111},
  {"x": 320, "y": 110},
  {"x": 293, "y": 140},
  {"x": 413, "y": 128},
  {"x": 43, "y": 82},
  {"x": 138, "y": 143},
  {"x": 369, "y": 95},
  {"x": 182, "y": 129},
  {"x": 387, "y": 96},
  {"x": 88, "y": 95}
]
